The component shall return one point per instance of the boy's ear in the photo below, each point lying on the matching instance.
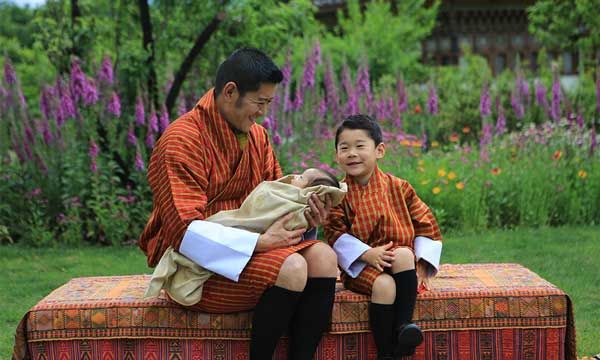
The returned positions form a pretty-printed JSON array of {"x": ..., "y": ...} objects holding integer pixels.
[{"x": 380, "y": 151}]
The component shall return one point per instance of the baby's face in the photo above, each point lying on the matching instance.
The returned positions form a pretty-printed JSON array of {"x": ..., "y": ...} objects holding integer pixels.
[{"x": 307, "y": 177}]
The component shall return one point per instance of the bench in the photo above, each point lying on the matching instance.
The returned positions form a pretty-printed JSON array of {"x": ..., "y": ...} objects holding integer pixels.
[{"x": 475, "y": 311}]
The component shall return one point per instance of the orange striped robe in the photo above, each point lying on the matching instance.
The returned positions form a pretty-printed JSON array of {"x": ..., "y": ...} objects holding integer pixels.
[
  {"x": 197, "y": 169},
  {"x": 386, "y": 209}
]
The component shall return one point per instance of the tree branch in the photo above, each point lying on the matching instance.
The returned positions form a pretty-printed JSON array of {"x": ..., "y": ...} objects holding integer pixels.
[{"x": 148, "y": 43}]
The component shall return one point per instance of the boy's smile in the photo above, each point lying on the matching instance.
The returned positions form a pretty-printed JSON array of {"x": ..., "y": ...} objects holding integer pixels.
[{"x": 357, "y": 154}]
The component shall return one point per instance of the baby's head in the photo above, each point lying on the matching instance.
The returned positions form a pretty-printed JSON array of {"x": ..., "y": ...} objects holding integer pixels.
[{"x": 313, "y": 177}]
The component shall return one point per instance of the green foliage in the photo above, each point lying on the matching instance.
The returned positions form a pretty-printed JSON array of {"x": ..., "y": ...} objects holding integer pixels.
[
  {"x": 571, "y": 25},
  {"x": 389, "y": 40}
]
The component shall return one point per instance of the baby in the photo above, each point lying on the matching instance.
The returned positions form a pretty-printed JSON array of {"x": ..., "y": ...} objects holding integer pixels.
[{"x": 183, "y": 279}]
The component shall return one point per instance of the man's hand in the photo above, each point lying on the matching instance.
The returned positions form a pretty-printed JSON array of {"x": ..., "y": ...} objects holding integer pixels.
[
  {"x": 379, "y": 257},
  {"x": 422, "y": 276},
  {"x": 318, "y": 212},
  {"x": 277, "y": 236}
]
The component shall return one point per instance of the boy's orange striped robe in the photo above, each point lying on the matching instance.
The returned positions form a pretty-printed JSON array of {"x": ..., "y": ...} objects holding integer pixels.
[
  {"x": 197, "y": 169},
  {"x": 386, "y": 209}
]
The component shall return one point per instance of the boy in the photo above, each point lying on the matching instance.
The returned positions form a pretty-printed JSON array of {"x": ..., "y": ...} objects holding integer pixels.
[{"x": 378, "y": 232}]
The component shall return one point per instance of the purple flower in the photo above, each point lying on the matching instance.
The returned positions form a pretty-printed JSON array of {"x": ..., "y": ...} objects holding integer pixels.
[
  {"x": 308, "y": 74},
  {"x": 153, "y": 122},
  {"x": 523, "y": 87},
  {"x": 30, "y": 139},
  {"x": 363, "y": 86},
  {"x": 277, "y": 139},
  {"x": 432, "y": 101},
  {"x": 46, "y": 133},
  {"x": 398, "y": 122},
  {"x": 131, "y": 138},
  {"x": 486, "y": 138},
  {"x": 322, "y": 108},
  {"x": 402, "y": 96},
  {"x": 139, "y": 162},
  {"x": 580, "y": 120},
  {"x": 45, "y": 105},
  {"x": 9, "y": 73},
  {"x": 333, "y": 100},
  {"x": 501, "y": 122},
  {"x": 90, "y": 93},
  {"x": 139, "y": 112},
  {"x": 105, "y": 74},
  {"x": 164, "y": 120},
  {"x": 517, "y": 105},
  {"x": 298, "y": 99},
  {"x": 114, "y": 105},
  {"x": 540, "y": 95},
  {"x": 555, "y": 109},
  {"x": 347, "y": 80},
  {"x": 286, "y": 70},
  {"x": 150, "y": 139},
  {"x": 267, "y": 122},
  {"x": 289, "y": 131},
  {"x": 93, "y": 150},
  {"x": 78, "y": 80},
  {"x": 485, "y": 102}
]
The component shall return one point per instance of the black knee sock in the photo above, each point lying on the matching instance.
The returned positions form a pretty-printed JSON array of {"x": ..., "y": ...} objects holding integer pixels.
[
  {"x": 312, "y": 317},
  {"x": 406, "y": 296},
  {"x": 271, "y": 317},
  {"x": 381, "y": 318}
]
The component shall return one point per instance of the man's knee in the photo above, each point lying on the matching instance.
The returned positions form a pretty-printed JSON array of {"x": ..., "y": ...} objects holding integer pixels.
[
  {"x": 384, "y": 289},
  {"x": 293, "y": 273},
  {"x": 322, "y": 260},
  {"x": 404, "y": 259}
]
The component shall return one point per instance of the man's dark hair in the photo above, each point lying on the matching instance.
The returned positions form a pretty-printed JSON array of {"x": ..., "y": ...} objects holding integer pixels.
[
  {"x": 360, "y": 122},
  {"x": 329, "y": 180},
  {"x": 247, "y": 68}
]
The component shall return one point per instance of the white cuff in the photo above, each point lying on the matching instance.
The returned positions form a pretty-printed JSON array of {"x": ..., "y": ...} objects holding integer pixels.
[
  {"x": 348, "y": 250},
  {"x": 220, "y": 249},
  {"x": 430, "y": 251}
]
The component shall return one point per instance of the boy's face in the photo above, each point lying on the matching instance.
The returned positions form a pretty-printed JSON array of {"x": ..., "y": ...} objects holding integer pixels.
[{"x": 357, "y": 154}]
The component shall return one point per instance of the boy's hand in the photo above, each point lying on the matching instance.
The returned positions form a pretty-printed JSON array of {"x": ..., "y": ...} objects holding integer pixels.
[
  {"x": 422, "y": 276},
  {"x": 379, "y": 257}
]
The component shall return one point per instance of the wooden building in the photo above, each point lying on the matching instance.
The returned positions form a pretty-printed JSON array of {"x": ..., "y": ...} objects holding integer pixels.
[{"x": 496, "y": 30}]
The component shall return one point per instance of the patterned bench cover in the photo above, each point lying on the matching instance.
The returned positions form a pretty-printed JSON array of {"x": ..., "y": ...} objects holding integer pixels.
[{"x": 475, "y": 311}]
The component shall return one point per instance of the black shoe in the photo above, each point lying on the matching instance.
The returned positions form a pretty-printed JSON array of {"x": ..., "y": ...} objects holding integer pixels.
[{"x": 409, "y": 337}]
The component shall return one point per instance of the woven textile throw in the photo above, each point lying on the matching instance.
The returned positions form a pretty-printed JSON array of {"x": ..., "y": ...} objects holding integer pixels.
[{"x": 475, "y": 311}]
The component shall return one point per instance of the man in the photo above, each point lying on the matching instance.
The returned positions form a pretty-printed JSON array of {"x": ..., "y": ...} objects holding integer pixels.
[{"x": 209, "y": 160}]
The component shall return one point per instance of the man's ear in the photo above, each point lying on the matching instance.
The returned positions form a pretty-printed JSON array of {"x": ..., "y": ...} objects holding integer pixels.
[
  {"x": 380, "y": 150},
  {"x": 230, "y": 92}
]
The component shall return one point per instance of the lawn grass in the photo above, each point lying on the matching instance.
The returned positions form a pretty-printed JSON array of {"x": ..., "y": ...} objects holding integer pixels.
[{"x": 566, "y": 256}]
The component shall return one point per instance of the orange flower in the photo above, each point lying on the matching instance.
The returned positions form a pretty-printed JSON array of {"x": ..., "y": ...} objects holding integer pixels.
[
  {"x": 451, "y": 175},
  {"x": 557, "y": 155},
  {"x": 454, "y": 137},
  {"x": 418, "y": 109},
  {"x": 404, "y": 142},
  {"x": 582, "y": 174},
  {"x": 460, "y": 185},
  {"x": 415, "y": 143},
  {"x": 436, "y": 190},
  {"x": 442, "y": 172},
  {"x": 496, "y": 171},
  {"x": 466, "y": 130}
]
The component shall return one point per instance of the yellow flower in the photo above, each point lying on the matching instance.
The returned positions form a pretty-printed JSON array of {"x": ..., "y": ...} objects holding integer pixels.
[
  {"x": 424, "y": 182},
  {"x": 451, "y": 175},
  {"x": 435, "y": 144},
  {"x": 442, "y": 172},
  {"x": 421, "y": 162},
  {"x": 445, "y": 181},
  {"x": 420, "y": 169},
  {"x": 582, "y": 174},
  {"x": 436, "y": 190},
  {"x": 460, "y": 185}
]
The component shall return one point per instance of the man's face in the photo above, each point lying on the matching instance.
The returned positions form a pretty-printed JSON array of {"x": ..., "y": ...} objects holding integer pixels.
[
  {"x": 243, "y": 111},
  {"x": 357, "y": 154}
]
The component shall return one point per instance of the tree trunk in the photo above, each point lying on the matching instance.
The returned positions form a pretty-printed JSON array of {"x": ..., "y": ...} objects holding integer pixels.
[
  {"x": 148, "y": 42},
  {"x": 187, "y": 63},
  {"x": 75, "y": 15}
]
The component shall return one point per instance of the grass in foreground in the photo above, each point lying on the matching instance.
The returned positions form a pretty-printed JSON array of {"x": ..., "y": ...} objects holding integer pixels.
[{"x": 563, "y": 256}]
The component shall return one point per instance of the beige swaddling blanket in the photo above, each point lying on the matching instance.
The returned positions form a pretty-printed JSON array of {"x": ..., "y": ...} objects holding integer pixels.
[{"x": 183, "y": 279}]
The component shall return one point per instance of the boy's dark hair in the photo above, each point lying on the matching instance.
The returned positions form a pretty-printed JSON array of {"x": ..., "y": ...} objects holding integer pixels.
[
  {"x": 360, "y": 122},
  {"x": 247, "y": 68},
  {"x": 329, "y": 180}
]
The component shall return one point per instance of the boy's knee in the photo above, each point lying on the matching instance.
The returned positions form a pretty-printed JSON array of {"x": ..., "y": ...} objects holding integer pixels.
[
  {"x": 293, "y": 273},
  {"x": 384, "y": 289},
  {"x": 404, "y": 259}
]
